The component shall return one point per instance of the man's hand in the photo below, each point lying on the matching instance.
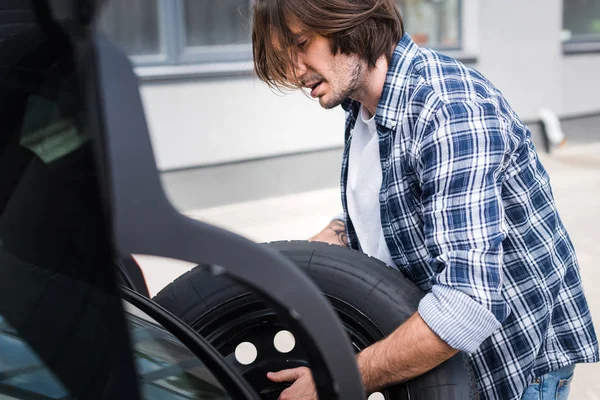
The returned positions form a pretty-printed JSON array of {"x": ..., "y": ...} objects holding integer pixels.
[
  {"x": 334, "y": 233},
  {"x": 303, "y": 387},
  {"x": 408, "y": 352}
]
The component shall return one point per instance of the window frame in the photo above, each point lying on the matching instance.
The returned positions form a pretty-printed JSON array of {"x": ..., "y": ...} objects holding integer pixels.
[
  {"x": 460, "y": 38},
  {"x": 166, "y": 53},
  {"x": 229, "y": 53},
  {"x": 179, "y": 60},
  {"x": 581, "y": 43},
  {"x": 572, "y": 47}
]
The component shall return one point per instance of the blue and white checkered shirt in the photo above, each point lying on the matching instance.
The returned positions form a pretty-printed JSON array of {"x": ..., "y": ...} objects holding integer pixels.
[{"x": 468, "y": 215}]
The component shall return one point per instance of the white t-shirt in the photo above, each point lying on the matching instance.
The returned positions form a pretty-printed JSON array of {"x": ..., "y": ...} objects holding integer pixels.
[{"x": 364, "y": 183}]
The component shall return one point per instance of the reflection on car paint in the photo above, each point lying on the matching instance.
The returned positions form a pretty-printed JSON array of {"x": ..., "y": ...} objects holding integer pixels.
[
  {"x": 167, "y": 369},
  {"x": 21, "y": 371}
]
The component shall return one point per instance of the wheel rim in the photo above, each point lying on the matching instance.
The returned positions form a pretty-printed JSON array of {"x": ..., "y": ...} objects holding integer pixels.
[{"x": 248, "y": 320}]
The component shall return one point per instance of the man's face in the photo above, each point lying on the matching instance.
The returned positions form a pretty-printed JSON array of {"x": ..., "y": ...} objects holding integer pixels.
[{"x": 330, "y": 78}]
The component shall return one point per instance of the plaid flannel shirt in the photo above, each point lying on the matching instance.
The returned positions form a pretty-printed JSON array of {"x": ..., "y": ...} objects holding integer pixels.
[{"x": 468, "y": 215}]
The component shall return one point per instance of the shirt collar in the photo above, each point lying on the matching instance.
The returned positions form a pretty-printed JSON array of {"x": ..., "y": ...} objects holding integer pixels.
[
  {"x": 396, "y": 80},
  {"x": 347, "y": 104}
]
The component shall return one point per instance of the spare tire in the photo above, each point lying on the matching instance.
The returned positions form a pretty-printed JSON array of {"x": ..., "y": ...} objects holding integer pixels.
[{"x": 371, "y": 299}]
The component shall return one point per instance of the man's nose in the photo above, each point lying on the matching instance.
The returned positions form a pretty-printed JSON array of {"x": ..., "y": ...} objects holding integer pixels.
[{"x": 300, "y": 68}]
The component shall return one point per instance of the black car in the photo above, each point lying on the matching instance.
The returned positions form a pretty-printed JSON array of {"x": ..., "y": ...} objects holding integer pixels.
[{"x": 80, "y": 193}]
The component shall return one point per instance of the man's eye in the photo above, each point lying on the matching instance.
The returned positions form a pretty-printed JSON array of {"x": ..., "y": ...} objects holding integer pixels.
[{"x": 302, "y": 44}]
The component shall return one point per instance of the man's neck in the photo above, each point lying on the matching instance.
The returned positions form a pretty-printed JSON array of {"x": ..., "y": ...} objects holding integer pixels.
[{"x": 370, "y": 90}]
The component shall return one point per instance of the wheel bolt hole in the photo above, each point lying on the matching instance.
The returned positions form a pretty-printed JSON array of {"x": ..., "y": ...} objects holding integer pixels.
[
  {"x": 246, "y": 353},
  {"x": 284, "y": 341}
]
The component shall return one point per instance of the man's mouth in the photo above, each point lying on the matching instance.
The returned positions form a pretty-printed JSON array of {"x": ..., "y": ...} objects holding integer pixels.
[{"x": 313, "y": 88}]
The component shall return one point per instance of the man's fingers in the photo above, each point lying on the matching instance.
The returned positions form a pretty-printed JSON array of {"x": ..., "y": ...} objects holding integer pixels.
[{"x": 286, "y": 375}]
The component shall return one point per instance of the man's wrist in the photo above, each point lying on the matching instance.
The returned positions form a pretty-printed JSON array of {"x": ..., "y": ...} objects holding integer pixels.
[
  {"x": 409, "y": 351},
  {"x": 364, "y": 359}
]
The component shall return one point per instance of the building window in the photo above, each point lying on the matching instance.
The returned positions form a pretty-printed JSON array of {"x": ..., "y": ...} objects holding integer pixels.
[
  {"x": 581, "y": 20},
  {"x": 432, "y": 23},
  {"x": 139, "y": 35},
  {"x": 216, "y": 23},
  {"x": 175, "y": 32},
  {"x": 215, "y": 30}
]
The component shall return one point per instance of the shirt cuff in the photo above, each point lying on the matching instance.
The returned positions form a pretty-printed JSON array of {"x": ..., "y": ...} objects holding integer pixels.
[
  {"x": 457, "y": 319},
  {"x": 339, "y": 217}
]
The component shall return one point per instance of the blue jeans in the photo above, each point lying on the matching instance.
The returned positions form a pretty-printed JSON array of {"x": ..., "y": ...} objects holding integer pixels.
[{"x": 554, "y": 385}]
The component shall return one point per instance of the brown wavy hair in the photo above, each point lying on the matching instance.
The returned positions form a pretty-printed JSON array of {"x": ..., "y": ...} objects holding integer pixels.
[{"x": 367, "y": 28}]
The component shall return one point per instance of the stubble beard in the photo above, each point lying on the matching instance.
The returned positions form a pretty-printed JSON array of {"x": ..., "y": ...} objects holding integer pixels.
[{"x": 348, "y": 90}]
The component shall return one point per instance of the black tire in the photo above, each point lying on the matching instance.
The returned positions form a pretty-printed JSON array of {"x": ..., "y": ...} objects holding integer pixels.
[{"x": 348, "y": 278}]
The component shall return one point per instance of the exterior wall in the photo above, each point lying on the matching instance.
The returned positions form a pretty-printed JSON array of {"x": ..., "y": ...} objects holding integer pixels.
[
  {"x": 204, "y": 121},
  {"x": 581, "y": 84},
  {"x": 521, "y": 53}
]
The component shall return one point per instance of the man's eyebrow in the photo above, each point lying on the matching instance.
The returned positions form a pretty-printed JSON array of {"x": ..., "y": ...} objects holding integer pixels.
[{"x": 298, "y": 35}]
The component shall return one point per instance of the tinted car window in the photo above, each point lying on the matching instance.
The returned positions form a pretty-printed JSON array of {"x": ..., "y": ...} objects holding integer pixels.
[
  {"x": 63, "y": 332},
  {"x": 23, "y": 374},
  {"x": 167, "y": 369}
]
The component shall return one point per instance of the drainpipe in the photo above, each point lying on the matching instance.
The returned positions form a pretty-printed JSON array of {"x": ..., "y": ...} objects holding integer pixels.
[{"x": 553, "y": 134}]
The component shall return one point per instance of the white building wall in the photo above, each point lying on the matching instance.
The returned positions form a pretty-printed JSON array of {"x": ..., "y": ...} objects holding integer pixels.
[
  {"x": 520, "y": 52},
  {"x": 200, "y": 122},
  {"x": 581, "y": 84},
  {"x": 197, "y": 122}
]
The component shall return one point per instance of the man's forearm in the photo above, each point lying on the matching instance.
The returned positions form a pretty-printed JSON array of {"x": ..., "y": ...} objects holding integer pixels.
[
  {"x": 410, "y": 351},
  {"x": 334, "y": 233}
]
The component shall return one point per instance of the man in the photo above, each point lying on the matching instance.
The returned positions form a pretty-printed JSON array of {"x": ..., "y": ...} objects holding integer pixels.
[{"x": 440, "y": 180}]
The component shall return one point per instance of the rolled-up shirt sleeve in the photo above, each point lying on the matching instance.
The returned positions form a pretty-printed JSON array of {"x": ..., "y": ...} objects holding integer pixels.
[{"x": 461, "y": 166}]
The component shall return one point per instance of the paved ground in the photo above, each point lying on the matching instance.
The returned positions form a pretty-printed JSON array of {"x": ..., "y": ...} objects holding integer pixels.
[{"x": 575, "y": 175}]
